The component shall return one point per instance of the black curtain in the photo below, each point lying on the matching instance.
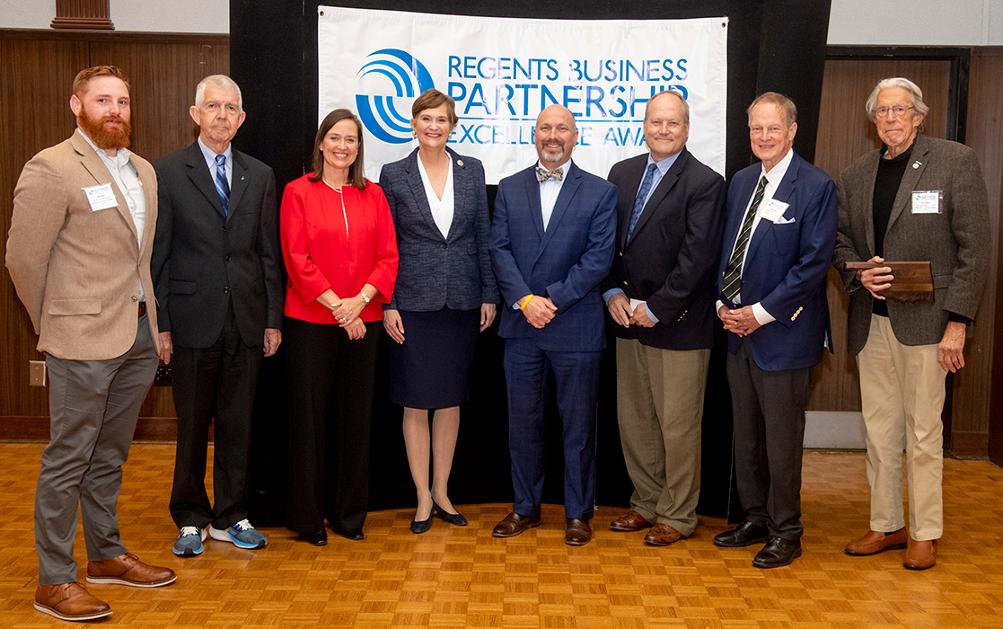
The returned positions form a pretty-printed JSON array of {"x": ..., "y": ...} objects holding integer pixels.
[{"x": 774, "y": 45}]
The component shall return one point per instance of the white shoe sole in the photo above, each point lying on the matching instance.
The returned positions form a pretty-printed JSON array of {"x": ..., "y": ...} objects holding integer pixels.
[
  {"x": 224, "y": 536},
  {"x": 55, "y": 614},
  {"x": 132, "y": 584}
]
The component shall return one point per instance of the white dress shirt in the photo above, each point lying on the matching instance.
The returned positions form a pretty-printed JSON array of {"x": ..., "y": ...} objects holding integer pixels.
[
  {"x": 550, "y": 189},
  {"x": 442, "y": 209},
  {"x": 127, "y": 180},
  {"x": 773, "y": 176}
]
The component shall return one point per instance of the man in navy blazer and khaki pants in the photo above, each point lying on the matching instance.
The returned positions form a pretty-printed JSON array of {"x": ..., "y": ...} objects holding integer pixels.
[
  {"x": 551, "y": 245},
  {"x": 778, "y": 240},
  {"x": 661, "y": 293}
]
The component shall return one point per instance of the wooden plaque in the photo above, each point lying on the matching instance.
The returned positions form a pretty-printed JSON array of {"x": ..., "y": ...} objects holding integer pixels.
[{"x": 913, "y": 279}]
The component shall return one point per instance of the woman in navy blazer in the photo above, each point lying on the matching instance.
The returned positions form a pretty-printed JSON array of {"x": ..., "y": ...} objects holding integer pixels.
[{"x": 445, "y": 294}]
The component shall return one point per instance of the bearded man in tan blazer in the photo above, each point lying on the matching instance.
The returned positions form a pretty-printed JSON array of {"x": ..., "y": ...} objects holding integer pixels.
[{"x": 78, "y": 252}]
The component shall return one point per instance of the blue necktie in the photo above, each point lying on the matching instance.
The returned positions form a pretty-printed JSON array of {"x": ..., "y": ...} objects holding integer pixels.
[
  {"x": 222, "y": 188},
  {"x": 642, "y": 196}
]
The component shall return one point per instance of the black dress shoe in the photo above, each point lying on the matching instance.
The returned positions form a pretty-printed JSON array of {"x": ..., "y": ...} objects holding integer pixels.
[
  {"x": 420, "y": 526},
  {"x": 456, "y": 519},
  {"x": 777, "y": 552},
  {"x": 317, "y": 538},
  {"x": 352, "y": 534},
  {"x": 745, "y": 534}
]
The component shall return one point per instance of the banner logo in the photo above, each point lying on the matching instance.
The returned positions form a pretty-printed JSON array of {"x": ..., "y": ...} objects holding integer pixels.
[{"x": 388, "y": 117}]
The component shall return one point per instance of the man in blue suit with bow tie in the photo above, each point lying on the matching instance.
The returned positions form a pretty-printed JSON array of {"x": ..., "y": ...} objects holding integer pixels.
[
  {"x": 779, "y": 234},
  {"x": 551, "y": 245}
]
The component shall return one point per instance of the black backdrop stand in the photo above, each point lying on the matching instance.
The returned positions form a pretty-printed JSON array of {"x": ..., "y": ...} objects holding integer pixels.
[{"x": 772, "y": 45}]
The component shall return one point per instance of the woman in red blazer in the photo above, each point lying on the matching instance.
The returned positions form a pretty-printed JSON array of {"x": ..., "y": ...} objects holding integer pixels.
[{"x": 340, "y": 251}]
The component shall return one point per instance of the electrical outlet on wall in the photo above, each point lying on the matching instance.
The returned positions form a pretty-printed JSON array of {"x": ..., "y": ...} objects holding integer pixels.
[{"x": 36, "y": 373}]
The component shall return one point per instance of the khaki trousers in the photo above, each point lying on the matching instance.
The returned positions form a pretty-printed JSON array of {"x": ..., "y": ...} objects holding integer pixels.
[
  {"x": 660, "y": 398},
  {"x": 902, "y": 396}
]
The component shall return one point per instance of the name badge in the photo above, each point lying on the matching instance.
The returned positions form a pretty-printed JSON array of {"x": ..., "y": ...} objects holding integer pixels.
[
  {"x": 773, "y": 210},
  {"x": 101, "y": 197},
  {"x": 926, "y": 201}
]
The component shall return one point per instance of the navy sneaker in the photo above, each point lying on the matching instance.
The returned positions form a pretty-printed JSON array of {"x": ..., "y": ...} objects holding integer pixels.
[
  {"x": 241, "y": 535},
  {"x": 189, "y": 542}
]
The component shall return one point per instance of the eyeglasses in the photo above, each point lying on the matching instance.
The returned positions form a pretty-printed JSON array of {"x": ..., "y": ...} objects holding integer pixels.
[{"x": 896, "y": 111}]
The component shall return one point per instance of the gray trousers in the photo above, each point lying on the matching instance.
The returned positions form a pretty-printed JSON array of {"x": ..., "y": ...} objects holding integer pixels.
[
  {"x": 768, "y": 411},
  {"x": 93, "y": 408}
]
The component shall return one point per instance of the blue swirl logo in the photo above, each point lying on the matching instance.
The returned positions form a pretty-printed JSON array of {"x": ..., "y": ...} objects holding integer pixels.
[{"x": 408, "y": 78}]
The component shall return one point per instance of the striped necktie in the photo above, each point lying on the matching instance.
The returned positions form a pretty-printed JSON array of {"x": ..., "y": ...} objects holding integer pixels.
[
  {"x": 222, "y": 188},
  {"x": 732, "y": 285}
]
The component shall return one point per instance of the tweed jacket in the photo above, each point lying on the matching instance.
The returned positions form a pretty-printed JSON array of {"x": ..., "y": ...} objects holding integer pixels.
[
  {"x": 436, "y": 271},
  {"x": 78, "y": 271},
  {"x": 955, "y": 241}
]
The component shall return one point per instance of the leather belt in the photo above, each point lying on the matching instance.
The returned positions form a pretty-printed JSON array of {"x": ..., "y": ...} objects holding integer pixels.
[{"x": 142, "y": 309}]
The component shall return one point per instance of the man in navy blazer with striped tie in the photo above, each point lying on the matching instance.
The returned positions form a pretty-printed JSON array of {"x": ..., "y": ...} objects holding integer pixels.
[
  {"x": 551, "y": 245},
  {"x": 779, "y": 234}
]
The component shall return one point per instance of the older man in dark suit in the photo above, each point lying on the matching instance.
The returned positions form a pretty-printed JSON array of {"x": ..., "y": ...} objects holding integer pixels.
[
  {"x": 551, "y": 245},
  {"x": 778, "y": 241},
  {"x": 916, "y": 198},
  {"x": 660, "y": 293},
  {"x": 219, "y": 294}
]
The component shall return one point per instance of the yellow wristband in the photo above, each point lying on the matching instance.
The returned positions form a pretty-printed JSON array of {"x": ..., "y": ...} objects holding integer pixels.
[{"x": 526, "y": 300}]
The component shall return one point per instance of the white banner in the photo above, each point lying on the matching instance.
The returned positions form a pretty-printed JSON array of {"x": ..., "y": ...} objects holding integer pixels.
[{"x": 502, "y": 72}]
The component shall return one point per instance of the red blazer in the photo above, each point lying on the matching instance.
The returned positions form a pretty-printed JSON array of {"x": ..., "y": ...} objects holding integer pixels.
[{"x": 324, "y": 247}]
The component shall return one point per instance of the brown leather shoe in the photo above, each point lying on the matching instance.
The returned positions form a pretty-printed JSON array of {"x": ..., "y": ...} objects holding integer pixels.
[
  {"x": 128, "y": 570},
  {"x": 69, "y": 601},
  {"x": 514, "y": 524},
  {"x": 578, "y": 532},
  {"x": 875, "y": 542},
  {"x": 920, "y": 555},
  {"x": 629, "y": 522},
  {"x": 662, "y": 535}
]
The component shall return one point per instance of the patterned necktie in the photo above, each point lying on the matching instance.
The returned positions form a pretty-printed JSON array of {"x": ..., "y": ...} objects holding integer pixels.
[
  {"x": 222, "y": 188},
  {"x": 733, "y": 274},
  {"x": 542, "y": 174},
  {"x": 642, "y": 196}
]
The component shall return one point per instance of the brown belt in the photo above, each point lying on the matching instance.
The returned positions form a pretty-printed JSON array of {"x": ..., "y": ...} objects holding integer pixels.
[{"x": 142, "y": 309}]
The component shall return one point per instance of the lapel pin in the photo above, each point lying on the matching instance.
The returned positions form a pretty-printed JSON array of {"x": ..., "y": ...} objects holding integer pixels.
[
  {"x": 916, "y": 164},
  {"x": 243, "y": 178},
  {"x": 459, "y": 163}
]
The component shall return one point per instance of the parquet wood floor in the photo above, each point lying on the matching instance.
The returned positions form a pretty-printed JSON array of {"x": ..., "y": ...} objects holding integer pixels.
[{"x": 462, "y": 577}]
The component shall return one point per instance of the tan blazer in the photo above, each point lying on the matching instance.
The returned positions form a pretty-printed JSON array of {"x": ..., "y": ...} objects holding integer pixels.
[
  {"x": 78, "y": 271},
  {"x": 956, "y": 241}
]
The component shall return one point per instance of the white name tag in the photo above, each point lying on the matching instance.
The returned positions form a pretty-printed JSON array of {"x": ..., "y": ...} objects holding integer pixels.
[
  {"x": 926, "y": 201},
  {"x": 101, "y": 197},
  {"x": 772, "y": 210}
]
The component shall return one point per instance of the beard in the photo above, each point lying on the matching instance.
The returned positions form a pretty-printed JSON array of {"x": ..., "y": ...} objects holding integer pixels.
[
  {"x": 553, "y": 153},
  {"x": 103, "y": 135}
]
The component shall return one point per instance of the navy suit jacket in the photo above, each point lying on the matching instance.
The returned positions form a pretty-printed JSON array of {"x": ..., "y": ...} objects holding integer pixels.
[
  {"x": 437, "y": 271},
  {"x": 204, "y": 260},
  {"x": 785, "y": 268},
  {"x": 565, "y": 263},
  {"x": 672, "y": 254}
]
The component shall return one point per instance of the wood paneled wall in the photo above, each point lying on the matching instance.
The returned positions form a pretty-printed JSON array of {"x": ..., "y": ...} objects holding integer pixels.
[
  {"x": 978, "y": 394},
  {"x": 845, "y": 133},
  {"x": 36, "y": 73}
]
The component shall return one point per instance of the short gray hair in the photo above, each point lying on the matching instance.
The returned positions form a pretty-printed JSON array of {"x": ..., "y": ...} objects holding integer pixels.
[
  {"x": 917, "y": 95},
  {"x": 775, "y": 98},
  {"x": 221, "y": 81},
  {"x": 677, "y": 94}
]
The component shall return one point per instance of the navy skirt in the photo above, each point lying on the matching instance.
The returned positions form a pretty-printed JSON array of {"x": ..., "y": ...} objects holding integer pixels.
[{"x": 434, "y": 367}]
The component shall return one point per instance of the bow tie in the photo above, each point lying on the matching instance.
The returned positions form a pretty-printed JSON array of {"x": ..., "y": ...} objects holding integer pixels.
[{"x": 542, "y": 174}]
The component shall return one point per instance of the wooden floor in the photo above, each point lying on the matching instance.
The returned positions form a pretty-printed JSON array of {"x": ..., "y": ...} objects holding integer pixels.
[{"x": 462, "y": 577}]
